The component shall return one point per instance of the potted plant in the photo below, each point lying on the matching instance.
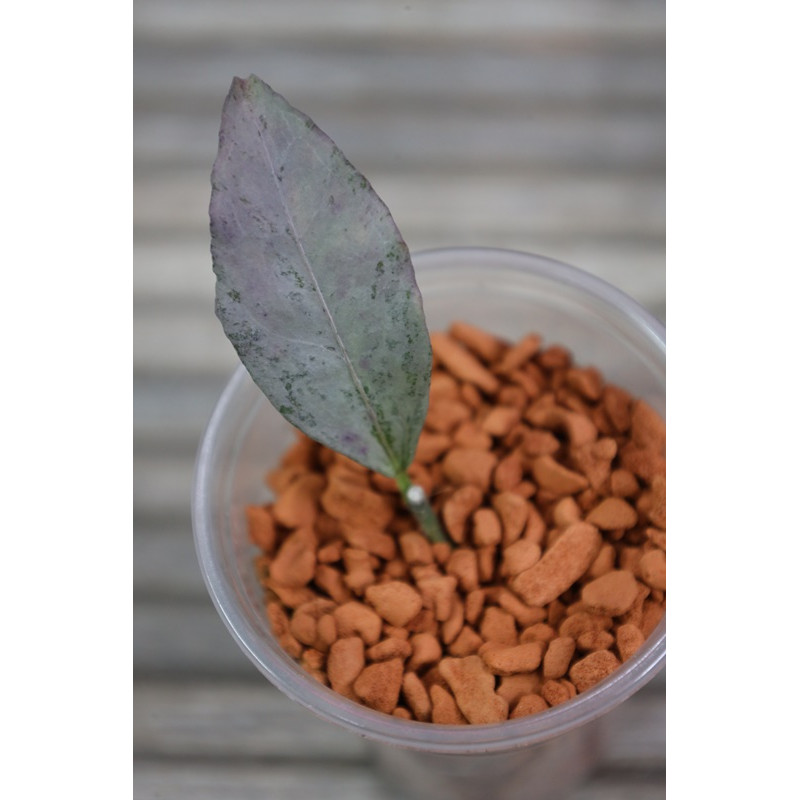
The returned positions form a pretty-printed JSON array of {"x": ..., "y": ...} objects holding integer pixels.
[{"x": 503, "y": 293}]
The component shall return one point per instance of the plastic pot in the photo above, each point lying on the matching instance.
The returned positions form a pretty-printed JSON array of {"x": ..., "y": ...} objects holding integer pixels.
[{"x": 510, "y": 294}]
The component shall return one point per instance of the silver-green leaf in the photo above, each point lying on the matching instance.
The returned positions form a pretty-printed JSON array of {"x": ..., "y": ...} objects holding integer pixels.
[{"x": 315, "y": 286}]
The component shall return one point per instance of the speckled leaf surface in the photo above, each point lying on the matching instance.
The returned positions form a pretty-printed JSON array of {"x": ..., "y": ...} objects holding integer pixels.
[{"x": 315, "y": 287}]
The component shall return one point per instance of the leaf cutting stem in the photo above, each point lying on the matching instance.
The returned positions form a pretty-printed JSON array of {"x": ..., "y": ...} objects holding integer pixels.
[{"x": 417, "y": 502}]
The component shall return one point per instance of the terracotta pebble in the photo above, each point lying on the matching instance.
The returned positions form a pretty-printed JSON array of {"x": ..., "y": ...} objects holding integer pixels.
[
  {"x": 511, "y": 660},
  {"x": 588, "y": 382},
  {"x": 261, "y": 528},
  {"x": 647, "y": 428},
  {"x": 565, "y": 512},
  {"x": 557, "y": 478},
  {"x": 464, "y": 466},
  {"x": 613, "y": 593},
  {"x": 613, "y": 513},
  {"x": 331, "y": 581},
  {"x": 391, "y": 647},
  {"x": 373, "y": 540},
  {"x": 461, "y": 363},
  {"x": 483, "y": 344},
  {"x": 486, "y": 527},
  {"x": 653, "y": 569},
  {"x": 451, "y": 627},
  {"x": 512, "y": 687},
  {"x": 356, "y": 504},
  {"x": 417, "y": 697},
  {"x": 430, "y": 446},
  {"x": 595, "y": 640},
  {"x": 356, "y": 619},
  {"x": 629, "y": 639},
  {"x": 416, "y": 548},
  {"x": 500, "y": 420},
  {"x": 538, "y": 632},
  {"x": 499, "y": 626},
  {"x": 463, "y": 566},
  {"x": 508, "y": 473},
  {"x": 438, "y": 593},
  {"x": 513, "y": 512},
  {"x": 540, "y": 443},
  {"x": 592, "y": 669},
  {"x": 658, "y": 537},
  {"x": 470, "y": 436},
  {"x": 458, "y": 508},
  {"x": 279, "y": 622},
  {"x": 519, "y": 556},
  {"x": 425, "y": 650},
  {"x": 296, "y": 559},
  {"x": 617, "y": 405},
  {"x": 558, "y": 656},
  {"x": 657, "y": 513},
  {"x": 560, "y": 566},
  {"x": 466, "y": 643},
  {"x": 557, "y": 691},
  {"x": 520, "y": 353},
  {"x": 297, "y": 504},
  {"x": 444, "y": 709},
  {"x": 358, "y": 565},
  {"x": 445, "y": 416},
  {"x": 575, "y": 624},
  {"x": 528, "y": 704},
  {"x": 524, "y": 614},
  {"x": 473, "y": 605},
  {"x": 346, "y": 660},
  {"x": 472, "y": 685},
  {"x": 395, "y": 601},
  {"x": 603, "y": 562},
  {"x": 378, "y": 685},
  {"x": 580, "y": 430}
]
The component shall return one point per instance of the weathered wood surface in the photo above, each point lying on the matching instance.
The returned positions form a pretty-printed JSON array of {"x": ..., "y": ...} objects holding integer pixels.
[{"x": 534, "y": 126}]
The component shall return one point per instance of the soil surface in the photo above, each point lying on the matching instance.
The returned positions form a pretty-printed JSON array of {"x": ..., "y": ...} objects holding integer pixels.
[{"x": 550, "y": 484}]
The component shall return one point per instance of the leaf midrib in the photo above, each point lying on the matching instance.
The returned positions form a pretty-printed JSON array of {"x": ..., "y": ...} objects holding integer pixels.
[{"x": 354, "y": 377}]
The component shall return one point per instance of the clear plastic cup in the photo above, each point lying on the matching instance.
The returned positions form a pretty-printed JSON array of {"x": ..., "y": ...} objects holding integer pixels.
[{"x": 510, "y": 294}]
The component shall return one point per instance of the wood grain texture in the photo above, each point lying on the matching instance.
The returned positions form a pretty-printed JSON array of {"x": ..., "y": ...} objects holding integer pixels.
[{"x": 532, "y": 126}]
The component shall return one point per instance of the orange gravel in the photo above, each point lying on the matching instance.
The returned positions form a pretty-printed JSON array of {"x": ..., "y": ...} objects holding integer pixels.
[{"x": 551, "y": 486}]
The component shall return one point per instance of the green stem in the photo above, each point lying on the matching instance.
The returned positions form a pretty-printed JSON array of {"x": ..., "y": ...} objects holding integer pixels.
[{"x": 417, "y": 502}]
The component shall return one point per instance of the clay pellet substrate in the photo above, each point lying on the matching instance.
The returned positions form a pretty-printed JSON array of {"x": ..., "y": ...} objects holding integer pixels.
[{"x": 550, "y": 484}]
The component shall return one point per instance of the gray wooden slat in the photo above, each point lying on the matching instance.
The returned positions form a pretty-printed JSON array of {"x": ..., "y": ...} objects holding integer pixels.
[
  {"x": 156, "y": 780},
  {"x": 185, "y": 638},
  {"x": 381, "y": 138},
  {"x": 639, "y": 733},
  {"x": 164, "y": 561},
  {"x": 176, "y": 271},
  {"x": 531, "y": 78},
  {"x": 230, "y": 720},
  {"x": 188, "y": 339},
  {"x": 467, "y": 20},
  {"x": 463, "y": 206},
  {"x": 172, "y": 409},
  {"x": 167, "y": 780},
  {"x": 162, "y": 484},
  {"x": 622, "y": 786}
]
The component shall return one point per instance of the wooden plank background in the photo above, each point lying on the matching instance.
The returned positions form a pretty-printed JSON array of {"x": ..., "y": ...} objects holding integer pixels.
[{"x": 529, "y": 125}]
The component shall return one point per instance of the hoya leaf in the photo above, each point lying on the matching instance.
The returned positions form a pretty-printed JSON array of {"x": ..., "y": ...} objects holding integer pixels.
[{"x": 315, "y": 286}]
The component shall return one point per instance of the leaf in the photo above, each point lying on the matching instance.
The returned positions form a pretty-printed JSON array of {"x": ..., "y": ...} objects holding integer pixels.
[{"x": 315, "y": 286}]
